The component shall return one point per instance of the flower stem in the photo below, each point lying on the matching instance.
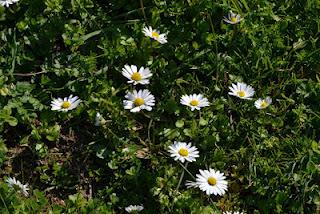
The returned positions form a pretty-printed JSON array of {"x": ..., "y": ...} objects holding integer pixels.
[
  {"x": 4, "y": 203},
  {"x": 184, "y": 167},
  {"x": 182, "y": 174}
]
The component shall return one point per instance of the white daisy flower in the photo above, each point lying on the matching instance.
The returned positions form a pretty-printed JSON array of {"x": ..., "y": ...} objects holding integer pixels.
[
  {"x": 155, "y": 34},
  {"x": 191, "y": 184},
  {"x": 135, "y": 76},
  {"x": 263, "y": 103},
  {"x": 134, "y": 208},
  {"x": 138, "y": 100},
  {"x": 183, "y": 152},
  {"x": 195, "y": 101},
  {"x": 242, "y": 91},
  {"x": 232, "y": 18},
  {"x": 7, "y": 3},
  {"x": 212, "y": 182},
  {"x": 65, "y": 104},
  {"x": 18, "y": 186}
]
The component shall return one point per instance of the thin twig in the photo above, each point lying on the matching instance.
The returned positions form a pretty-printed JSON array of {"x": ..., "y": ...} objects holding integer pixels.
[
  {"x": 29, "y": 74},
  {"x": 144, "y": 14}
]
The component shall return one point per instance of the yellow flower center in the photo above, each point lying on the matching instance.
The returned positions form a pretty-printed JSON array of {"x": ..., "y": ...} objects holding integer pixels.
[
  {"x": 241, "y": 93},
  {"x": 264, "y": 104},
  {"x": 234, "y": 19},
  {"x": 183, "y": 152},
  {"x": 155, "y": 34},
  {"x": 66, "y": 104},
  {"x": 138, "y": 101},
  {"x": 136, "y": 76},
  {"x": 212, "y": 181},
  {"x": 194, "y": 102}
]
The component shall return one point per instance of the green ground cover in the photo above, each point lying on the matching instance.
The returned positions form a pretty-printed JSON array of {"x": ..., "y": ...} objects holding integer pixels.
[{"x": 98, "y": 156}]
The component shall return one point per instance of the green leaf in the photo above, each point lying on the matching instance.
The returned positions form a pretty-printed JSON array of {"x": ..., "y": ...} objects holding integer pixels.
[
  {"x": 24, "y": 86},
  {"x": 179, "y": 123},
  {"x": 11, "y": 120},
  {"x": 89, "y": 35},
  {"x": 203, "y": 122}
]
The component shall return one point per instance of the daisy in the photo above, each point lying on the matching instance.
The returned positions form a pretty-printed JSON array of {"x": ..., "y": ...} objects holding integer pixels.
[
  {"x": 232, "y": 18},
  {"x": 242, "y": 91},
  {"x": 134, "y": 208},
  {"x": 65, "y": 104},
  {"x": 135, "y": 76},
  {"x": 7, "y": 2},
  {"x": 191, "y": 184},
  {"x": 18, "y": 186},
  {"x": 212, "y": 182},
  {"x": 183, "y": 152},
  {"x": 138, "y": 100},
  {"x": 155, "y": 34},
  {"x": 195, "y": 101},
  {"x": 263, "y": 103}
]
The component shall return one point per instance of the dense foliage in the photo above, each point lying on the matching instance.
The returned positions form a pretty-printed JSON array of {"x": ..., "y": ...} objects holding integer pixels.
[{"x": 54, "y": 48}]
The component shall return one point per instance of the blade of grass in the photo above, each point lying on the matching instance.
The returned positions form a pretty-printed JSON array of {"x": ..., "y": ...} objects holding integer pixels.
[
  {"x": 236, "y": 5},
  {"x": 245, "y": 4}
]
